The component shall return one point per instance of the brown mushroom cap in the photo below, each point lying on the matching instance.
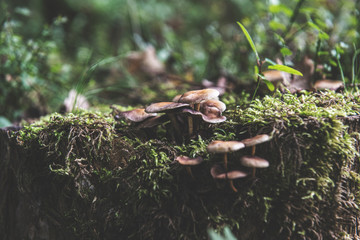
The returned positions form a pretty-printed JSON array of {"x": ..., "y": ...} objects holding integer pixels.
[
  {"x": 254, "y": 162},
  {"x": 256, "y": 140},
  {"x": 218, "y": 146},
  {"x": 184, "y": 160},
  {"x": 176, "y": 98},
  {"x": 164, "y": 107},
  {"x": 213, "y": 119},
  {"x": 328, "y": 84},
  {"x": 212, "y": 103},
  {"x": 196, "y": 96},
  {"x": 218, "y": 173},
  {"x": 273, "y": 75},
  {"x": 136, "y": 115}
]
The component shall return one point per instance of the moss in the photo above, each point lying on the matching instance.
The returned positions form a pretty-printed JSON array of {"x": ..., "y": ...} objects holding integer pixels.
[{"x": 108, "y": 180}]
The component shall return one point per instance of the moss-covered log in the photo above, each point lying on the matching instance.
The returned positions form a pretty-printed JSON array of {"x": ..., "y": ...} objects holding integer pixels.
[{"x": 87, "y": 176}]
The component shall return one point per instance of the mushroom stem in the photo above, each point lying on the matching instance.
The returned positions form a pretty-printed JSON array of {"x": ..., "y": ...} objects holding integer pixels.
[
  {"x": 225, "y": 161},
  {"x": 191, "y": 125},
  {"x": 253, "y": 154},
  {"x": 231, "y": 183},
  {"x": 188, "y": 169},
  {"x": 253, "y": 150},
  {"x": 253, "y": 172},
  {"x": 197, "y": 106},
  {"x": 175, "y": 124}
]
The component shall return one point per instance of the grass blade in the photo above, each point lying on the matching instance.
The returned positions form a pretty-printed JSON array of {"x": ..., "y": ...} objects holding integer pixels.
[
  {"x": 248, "y": 37},
  {"x": 354, "y": 74},
  {"x": 284, "y": 68}
]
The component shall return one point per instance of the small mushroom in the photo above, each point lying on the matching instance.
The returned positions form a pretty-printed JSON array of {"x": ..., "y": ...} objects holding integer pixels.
[
  {"x": 197, "y": 96},
  {"x": 252, "y": 142},
  {"x": 212, "y": 103},
  {"x": 194, "y": 98},
  {"x": 170, "y": 109},
  {"x": 218, "y": 173},
  {"x": 188, "y": 162},
  {"x": 136, "y": 115},
  {"x": 254, "y": 162},
  {"x": 328, "y": 84},
  {"x": 212, "y": 116},
  {"x": 212, "y": 110},
  {"x": 277, "y": 77},
  {"x": 224, "y": 147}
]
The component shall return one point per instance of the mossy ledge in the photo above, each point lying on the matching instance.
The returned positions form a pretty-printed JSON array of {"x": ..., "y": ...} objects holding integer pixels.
[{"x": 86, "y": 176}]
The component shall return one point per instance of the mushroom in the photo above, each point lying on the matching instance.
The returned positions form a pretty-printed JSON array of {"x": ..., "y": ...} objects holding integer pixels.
[
  {"x": 169, "y": 108},
  {"x": 188, "y": 162},
  {"x": 224, "y": 147},
  {"x": 136, "y": 115},
  {"x": 212, "y": 110},
  {"x": 252, "y": 142},
  {"x": 254, "y": 162},
  {"x": 194, "y": 98},
  {"x": 328, "y": 84},
  {"x": 212, "y": 116},
  {"x": 212, "y": 103},
  {"x": 218, "y": 173},
  {"x": 176, "y": 98}
]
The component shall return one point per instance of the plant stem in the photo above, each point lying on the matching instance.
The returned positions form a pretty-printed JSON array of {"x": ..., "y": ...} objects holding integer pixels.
[
  {"x": 341, "y": 71},
  {"x": 318, "y": 45},
  {"x": 259, "y": 65}
]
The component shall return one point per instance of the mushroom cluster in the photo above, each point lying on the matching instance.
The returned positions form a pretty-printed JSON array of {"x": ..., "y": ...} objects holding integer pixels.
[
  {"x": 250, "y": 161},
  {"x": 185, "y": 113}
]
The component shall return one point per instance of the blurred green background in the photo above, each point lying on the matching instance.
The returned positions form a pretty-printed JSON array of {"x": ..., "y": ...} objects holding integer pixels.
[{"x": 48, "y": 48}]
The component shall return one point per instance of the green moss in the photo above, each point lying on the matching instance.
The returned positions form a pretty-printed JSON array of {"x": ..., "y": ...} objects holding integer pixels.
[
  {"x": 109, "y": 170},
  {"x": 292, "y": 109}
]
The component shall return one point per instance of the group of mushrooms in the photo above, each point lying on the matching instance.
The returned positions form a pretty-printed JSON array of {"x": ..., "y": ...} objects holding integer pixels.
[
  {"x": 185, "y": 113},
  {"x": 225, "y": 147}
]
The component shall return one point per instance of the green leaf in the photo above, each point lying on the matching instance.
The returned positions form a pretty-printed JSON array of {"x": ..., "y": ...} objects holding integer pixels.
[
  {"x": 323, "y": 35},
  {"x": 248, "y": 37},
  {"x": 280, "y": 8},
  {"x": 314, "y": 26},
  {"x": 284, "y": 68},
  {"x": 269, "y": 85},
  {"x": 285, "y": 51},
  {"x": 274, "y": 25}
]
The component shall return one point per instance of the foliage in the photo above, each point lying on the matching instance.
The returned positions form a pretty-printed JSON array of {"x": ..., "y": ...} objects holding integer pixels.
[
  {"x": 24, "y": 70},
  {"x": 58, "y": 45}
]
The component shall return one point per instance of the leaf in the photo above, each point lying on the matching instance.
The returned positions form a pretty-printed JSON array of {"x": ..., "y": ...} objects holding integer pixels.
[
  {"x": 284, "y": 68},
  {"x": 248, "y": 37},
  {"x": 280, "y": 8},
  {"x": 269, "y": 85},
  {"x": 274, "y": 25},
  {"x": 285, "y": 51}
]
